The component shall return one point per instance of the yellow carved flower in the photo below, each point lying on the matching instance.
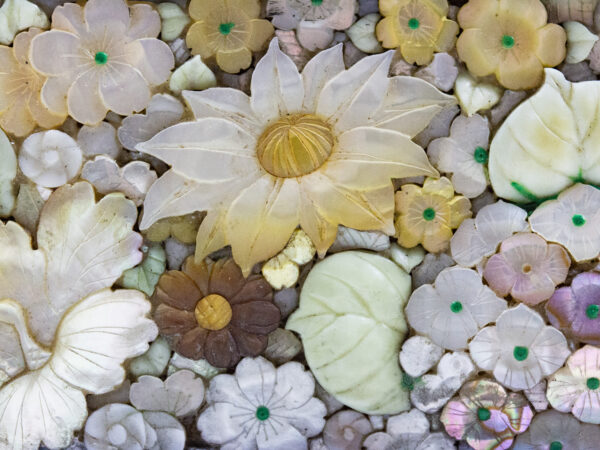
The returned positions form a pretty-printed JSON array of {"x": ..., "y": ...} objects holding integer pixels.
[
  {"x": 418, "y": 28},
  {"x": 427, "y": 215},
  {"x": 316, "y": 149},
  {"x": 21, "y": 108},
  {"x": 511, "y": 39},
  {"x": 230, "y": 30}
]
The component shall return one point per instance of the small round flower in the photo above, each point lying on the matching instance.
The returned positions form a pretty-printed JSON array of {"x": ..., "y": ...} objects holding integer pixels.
[
  {"x": 262, "y": 407},
  {"x": 417, "y": 27},
  {"x": 50, "y": 159},
  {"x": 552, "y": 430},
  {"x": 464, "y": 154},
  {"x": 486, "y": 416},
  {"x": 576, "y": 309},
  {"x": 453, "y": 311},
  {"x": 427, "y": 215},
  {"x": 210, "y": 311},
  {"x": 520, "y": 350},
  {"x": 527, "y": 267},
  {"x": 572, "y": 220},
  {"x": 21, "y": 108},
  {"x": 576, "y": 387},
  {"x": 511, "y": 39},
  {"x": 229, "y": 30},
  {"x": 100, "y": 57},
  {"x": 313, "y": 20},
  {"x": 479, "y": 237}
]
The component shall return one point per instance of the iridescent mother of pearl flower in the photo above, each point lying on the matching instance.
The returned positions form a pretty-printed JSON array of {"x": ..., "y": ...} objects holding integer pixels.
[
  {"x": 103, "y": 56},
  {"x": 63, "y": 332},
  {"x": 316, "y": 149}
]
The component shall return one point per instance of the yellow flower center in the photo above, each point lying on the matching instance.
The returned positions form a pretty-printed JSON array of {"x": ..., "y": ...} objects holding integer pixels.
[
  {"x": 213, "y": 312},
  {"x": 295, "y": 145}
]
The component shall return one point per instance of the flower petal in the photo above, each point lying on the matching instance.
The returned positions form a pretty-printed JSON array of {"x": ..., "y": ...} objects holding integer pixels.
[
  {"x": 233, "y": 61},
  {"x": 222, "y": 423},
  {"x": 55, "y": 52},
  {"x": 83, "y": 100},
  {"x": 209, "y": 150},
  {"x": 145, "y": 22},
  {"x": 124, "y": 90},
  {"x": 314, "y": 35},
  {"x": 54, "y": 94},
  {"x": 98, "y": 335},
  {"x": 257, "y": 379},
  {"x": 69, "y": 17},
  {"x": 152, "y": 57},
  {"x": 102, "y": 14},
  {"x": 350, "y": 98},
  {"x": 276, "y": 86},
  {"x": 40, "y": 407},
  {"x": 261, "y": 220},
  {"x": 317, "y": 73},
  {"x": 550, "y": 348}
]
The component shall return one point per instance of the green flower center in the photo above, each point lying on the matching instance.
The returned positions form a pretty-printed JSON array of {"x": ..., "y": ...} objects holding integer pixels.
[
  {"x": 556, "y": 445},
  {"x": 456, "y": 307},
  {"x": 520, "y": 353},
  {"x": 101, "y": 58},
  {"x": 429, "y": 214},
  {"x": 262, "y": 413},
  {"x": 593, "y": 383},
  {"x": 592, "y": 311},
  {"x": 317, "y": 2},
  {"x": 508, "y": 41},
  {"x": 414, "y": 23},
  {"x": 578, "y": 220},
  {"x": 480, "y": 155},
  {"x": 225, "y": 28},
  {"x": 483, "y": 414}
]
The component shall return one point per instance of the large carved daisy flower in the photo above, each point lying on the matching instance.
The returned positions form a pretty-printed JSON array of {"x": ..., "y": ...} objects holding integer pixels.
[{"x": 315, "y": 149}]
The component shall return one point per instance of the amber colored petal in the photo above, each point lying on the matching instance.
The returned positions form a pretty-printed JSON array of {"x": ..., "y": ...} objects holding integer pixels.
[
  {"x": 477, "y": 12},
  {"x": 234, "y": 61},
  {"x": 172, "y": 321},
  {"x": 200, "y": 9},
  {"x": 250, "y": 7},
  {"x": 321, "y": 231},
  {"x": 226, "y": 278},
  {"x": 41, "y": 114},
  {"x": 255, "y": 288},
  {"x": 470, "y": 50},
  {"x": 416, "y": 54},
  {"x": 249, "y": 344},
  {"x": 261, "y": 220},
  {"x": 436, "y": 239},
  {"x": 178, "y": 290},
  {"x": 532, "y": 12},
  {"x": 460, "y": 210},
  {"x": 145, "y": 22},
  {"x": 391, "y": 7},
  {"x": 193, "y": 343},
  {"x": 220, "y": 349},
  {"x": 386, "y": 33},
  {"x": 409, "y": 236},
  {"x": 552, "y": 48},
  {"x": 260, "y": 32},
  {"x": 256, "y": 317},
  {"x": 526, "y": 74},
  {"x": 8, "y": 64},
  {"x": 17, "y": 119},
  {"x": 199, "y": 272},
  {"x": 442, "y": 187},
  {"x": 447, "y": 37},
  {"x": 197, "y": 41},
  {"x": 439, "y": 6},
  {"x": 21, "y": 44}
]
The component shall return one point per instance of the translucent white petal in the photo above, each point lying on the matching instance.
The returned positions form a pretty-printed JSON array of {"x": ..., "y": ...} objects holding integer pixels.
[
  {"x": 318, "y": 71},
  {"x": 124, "y": 90}
]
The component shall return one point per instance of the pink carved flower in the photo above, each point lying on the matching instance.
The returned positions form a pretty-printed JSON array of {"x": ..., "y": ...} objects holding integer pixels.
[
  {"x": 527, "y": 267},
  {"x": 100, "y": 57}
]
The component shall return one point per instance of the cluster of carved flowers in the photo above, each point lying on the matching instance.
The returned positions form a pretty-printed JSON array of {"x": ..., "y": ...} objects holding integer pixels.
[
  {"x": 64, "y": 332},
  {"x": 232, "y": 163}
]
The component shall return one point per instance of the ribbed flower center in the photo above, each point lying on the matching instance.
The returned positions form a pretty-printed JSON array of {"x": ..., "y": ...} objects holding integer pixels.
[
  {"x": 101, "y": 58},
  {"x": 262, "y": 413},
  {"x": 225, "y": 28},
  {"x": 213, "y": 312},
  {"x": 295, "y": 145}
]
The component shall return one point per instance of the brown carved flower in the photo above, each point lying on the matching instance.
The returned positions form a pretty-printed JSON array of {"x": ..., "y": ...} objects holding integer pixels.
[{"x": 211, "y": 311}]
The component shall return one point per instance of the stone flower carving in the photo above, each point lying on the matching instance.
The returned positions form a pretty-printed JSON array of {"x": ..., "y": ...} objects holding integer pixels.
[
  {"x": 314, "y": 20},
  {"x": 100, "y": 57},
  {"x": 229, "y": 30},
  {"x": 21, "y": 107},
  {"x": 510, "y": 39},
  {"x": 316, "y": 149},
  {"x": 418, "y": 28},
  {"x": 262, "y": 407},
  {"x": 64, "y": 332}
]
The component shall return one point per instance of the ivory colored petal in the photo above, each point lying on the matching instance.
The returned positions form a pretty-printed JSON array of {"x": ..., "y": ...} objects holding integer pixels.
[
  {"x": 261, "y": 220},
  {"x": 362, "y": 34},
  {"x": 580, "y": 42},
  {"x": 318, "y": 71},
  {"x": 54, "y": 94},
  {"x": 174, "y": 20},
  {"x": 8, "y": 172},
  {"x": 17, "y": 15},
  {"x": 475, "y": 96},
  {"x": 55, "y": 52},
  {"x": 314, "y": 35},
  {"x": 226, "y": 103},
  {"x": 352, "y": 344},
  {"x": 153, "y": 58},
  {"x": 192, "y": 75},
  {"x": 100, "y": 14},
  {"x": 123, "y": 79},
  {"x": 145, "y": 22}
]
